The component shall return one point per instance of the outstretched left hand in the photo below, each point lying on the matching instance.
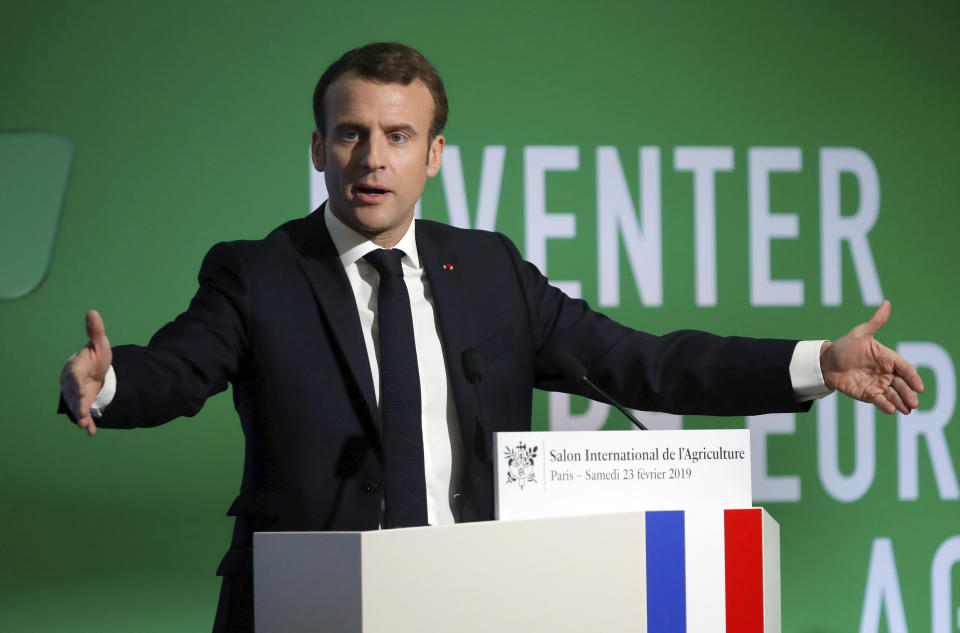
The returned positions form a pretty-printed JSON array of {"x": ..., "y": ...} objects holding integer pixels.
[{"x": 859, "y": 366}]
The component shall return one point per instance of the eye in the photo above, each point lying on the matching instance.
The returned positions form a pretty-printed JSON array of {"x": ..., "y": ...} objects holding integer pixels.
[
  {"x": 397, "y": 137},
  {"x": 349, "y": 135}
]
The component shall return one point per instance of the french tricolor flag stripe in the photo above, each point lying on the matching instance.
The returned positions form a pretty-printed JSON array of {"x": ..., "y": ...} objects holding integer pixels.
[
  {"x": 666, "y": 587},
  {"x": 704, "y": 545},
  {"x": 744, "y": 570},
  {"x": 707, "y": 572}
]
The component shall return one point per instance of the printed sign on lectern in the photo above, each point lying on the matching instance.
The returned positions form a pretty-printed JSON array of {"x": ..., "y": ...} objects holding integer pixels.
[{"x": 544, "y": 474}]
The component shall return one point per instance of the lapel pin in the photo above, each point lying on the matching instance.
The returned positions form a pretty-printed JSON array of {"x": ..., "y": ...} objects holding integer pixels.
[{"x": 448, "y": 266}]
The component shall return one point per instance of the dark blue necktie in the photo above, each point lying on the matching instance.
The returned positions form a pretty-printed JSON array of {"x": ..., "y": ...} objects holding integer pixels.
[{"x": 405, "y": 490}]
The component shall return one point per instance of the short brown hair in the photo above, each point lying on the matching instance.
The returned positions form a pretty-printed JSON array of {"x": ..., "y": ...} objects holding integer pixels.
[{"x": 387, "y": 62}]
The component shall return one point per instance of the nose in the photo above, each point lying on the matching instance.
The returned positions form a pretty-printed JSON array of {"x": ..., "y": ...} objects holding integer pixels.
[{"x": 373, "y": 157}]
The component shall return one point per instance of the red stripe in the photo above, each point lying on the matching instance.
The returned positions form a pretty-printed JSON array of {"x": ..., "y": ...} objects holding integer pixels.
[{"x": 743, "y": 536}]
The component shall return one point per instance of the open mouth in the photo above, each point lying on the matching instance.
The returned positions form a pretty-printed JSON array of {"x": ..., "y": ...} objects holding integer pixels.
[
  {"x": 370, "y": 191},
  {"x": 366, "y": 194}
]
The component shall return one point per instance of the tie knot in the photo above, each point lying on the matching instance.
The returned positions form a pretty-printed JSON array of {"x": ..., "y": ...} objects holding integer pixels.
[{"x": 386, "y": 261}]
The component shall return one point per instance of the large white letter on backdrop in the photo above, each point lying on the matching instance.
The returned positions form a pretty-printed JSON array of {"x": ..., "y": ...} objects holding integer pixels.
[
  {"x": 941, "y": 589},
  {"x": 561, "y": 419},
  {"x": 883, "y": 590},
  {"x": 538, "y": 224},
  {"x": 617, "y": 217},
  {"x": 930, "y": 423},
  {"x": 704, "y": 162},
  {"x": 765, "y": 226},
  {"x": 842, "y": 487},
  {"x": 318, "y": 183},
  {"x": 455, "y": 191},
  {"x": 767, "y": 487},
  {"x": 835, "y": 229}
]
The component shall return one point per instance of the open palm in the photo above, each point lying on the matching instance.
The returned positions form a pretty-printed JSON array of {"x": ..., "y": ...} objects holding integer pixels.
[{"x": 863, "y": 368}]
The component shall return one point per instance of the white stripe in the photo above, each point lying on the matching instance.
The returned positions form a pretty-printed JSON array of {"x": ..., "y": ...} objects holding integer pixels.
[{"x": 706, "y": 596}]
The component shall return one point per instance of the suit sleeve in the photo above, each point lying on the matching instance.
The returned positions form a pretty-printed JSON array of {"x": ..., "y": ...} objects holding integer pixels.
[
  {"x": 191, "y": 358},
  {"x": 685, "y": 372}
]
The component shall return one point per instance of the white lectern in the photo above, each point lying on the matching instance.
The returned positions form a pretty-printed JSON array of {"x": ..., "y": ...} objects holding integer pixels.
[{"x": 657, "y": 571}]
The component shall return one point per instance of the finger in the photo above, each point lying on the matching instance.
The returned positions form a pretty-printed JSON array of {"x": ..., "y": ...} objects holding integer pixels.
[
  {"x": 883, "y": 404},
  {"x": 908, "y": 373},
  {"x": 878, "y": 319},
  {"x": 906, "y": 394},
  {"x": 85, "y": 404},
  {"x": 86, "y": 422},
  {"x": 82, "y": 413},
  {"x": 96, "y": 331},
  {"x": 893, "y": 397}
]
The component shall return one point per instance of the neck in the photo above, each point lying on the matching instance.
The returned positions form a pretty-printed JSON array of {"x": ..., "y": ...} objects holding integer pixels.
[{"x": 387, "y": 238}]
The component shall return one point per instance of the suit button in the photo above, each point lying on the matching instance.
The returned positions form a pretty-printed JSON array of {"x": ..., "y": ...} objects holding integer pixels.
[{"x": 371, "y": 486}]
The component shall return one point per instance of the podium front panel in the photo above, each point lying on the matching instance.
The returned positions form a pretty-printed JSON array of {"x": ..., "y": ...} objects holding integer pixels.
[{"x": 706, "y": 571}]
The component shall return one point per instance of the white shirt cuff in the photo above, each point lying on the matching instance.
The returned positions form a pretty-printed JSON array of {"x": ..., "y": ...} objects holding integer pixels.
[
  {"x": 106, "y": 394},
  {"x": 805, "y": 372}
]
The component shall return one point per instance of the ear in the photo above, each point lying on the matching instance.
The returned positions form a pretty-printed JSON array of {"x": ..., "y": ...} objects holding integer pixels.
[
  {"x": 434, "y": 155},
  {"x": 316, "y": 151}
]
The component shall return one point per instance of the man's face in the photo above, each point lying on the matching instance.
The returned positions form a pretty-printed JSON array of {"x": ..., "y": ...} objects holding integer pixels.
[{"x": 375, "y": 156}]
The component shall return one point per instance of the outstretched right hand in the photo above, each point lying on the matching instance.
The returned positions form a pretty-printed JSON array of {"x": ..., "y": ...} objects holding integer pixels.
[{"x": 83, "y": 375}]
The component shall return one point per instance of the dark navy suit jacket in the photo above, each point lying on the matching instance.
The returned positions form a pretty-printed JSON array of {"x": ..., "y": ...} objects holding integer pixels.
[{"x": 276, "y": 318}]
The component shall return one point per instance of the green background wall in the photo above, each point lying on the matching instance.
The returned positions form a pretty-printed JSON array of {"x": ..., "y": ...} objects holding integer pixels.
[{"x": 190, "y": 124}]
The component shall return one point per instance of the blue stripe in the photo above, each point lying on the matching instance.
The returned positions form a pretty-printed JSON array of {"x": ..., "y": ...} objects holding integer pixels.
[{"x": 666, "y": 573}]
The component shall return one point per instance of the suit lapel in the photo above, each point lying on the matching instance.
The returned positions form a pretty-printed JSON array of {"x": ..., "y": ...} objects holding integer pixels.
[
  {"x": 448, "y": 286},
  {"x": 321, "y": 264}
]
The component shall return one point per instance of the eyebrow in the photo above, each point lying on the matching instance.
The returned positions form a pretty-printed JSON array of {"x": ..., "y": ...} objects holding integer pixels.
[
  {"x": 400, "y": 127},
  {"x": 403, "y": 127}
]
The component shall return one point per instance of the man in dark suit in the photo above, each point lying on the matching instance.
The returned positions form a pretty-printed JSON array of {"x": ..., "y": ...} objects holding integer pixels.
[{"x": 292, "y": 323}]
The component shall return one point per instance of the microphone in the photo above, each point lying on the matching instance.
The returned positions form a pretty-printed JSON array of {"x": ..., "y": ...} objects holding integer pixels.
[
  {"x": 473, "y": 370},
  {"x": 574, "y": 369}
]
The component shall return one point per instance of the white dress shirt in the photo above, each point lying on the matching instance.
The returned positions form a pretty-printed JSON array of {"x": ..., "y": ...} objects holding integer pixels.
[{"x": 442, "y": 445}]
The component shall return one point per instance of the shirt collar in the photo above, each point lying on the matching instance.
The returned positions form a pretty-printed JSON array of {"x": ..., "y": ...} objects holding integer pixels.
[{"x": 351, "y": 246}]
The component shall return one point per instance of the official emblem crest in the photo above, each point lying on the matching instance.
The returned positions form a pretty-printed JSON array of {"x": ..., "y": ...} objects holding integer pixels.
[{"x": 520, "y": 464}]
